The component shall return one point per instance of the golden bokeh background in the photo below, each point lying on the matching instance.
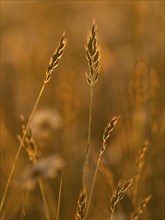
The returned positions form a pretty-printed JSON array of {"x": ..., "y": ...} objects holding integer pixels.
[{"x": 131, "y": 84}]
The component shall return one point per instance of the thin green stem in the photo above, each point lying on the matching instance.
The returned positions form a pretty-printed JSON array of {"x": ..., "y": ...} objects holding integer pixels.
[
  {"x": 92, "y": 187},
  {"x": 59, "y": 196},
  {"x": 44, "y": 199},
  {"x": 86, "y": 162},
  {"x": 19, "y": 149}
]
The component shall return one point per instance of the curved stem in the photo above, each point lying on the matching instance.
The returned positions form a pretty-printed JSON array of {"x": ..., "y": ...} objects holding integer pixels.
[
  {"x": 19, "y": 148},
  {"x": 92, "y": 187}
]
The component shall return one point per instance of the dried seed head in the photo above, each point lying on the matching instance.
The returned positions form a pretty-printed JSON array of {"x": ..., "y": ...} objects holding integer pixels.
[
  {"x": 119, "y": 193},
  {"x": 81, "y": 209},
  {"x": 29, "y": 144},
  {"x": 107, "y": 131},
  {"x": 53, "y": 63},
  {"x": 135, "y": 215},
  {"x": 93, "y": 56}
]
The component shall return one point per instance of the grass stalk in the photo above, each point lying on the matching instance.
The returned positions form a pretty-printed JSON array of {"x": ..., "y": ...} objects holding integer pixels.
[
  {"x": 86, "y": 162},
  {"x": 53, "y": 63},
  {"x": 19, "y": 149},
  {"x": 112, "y": 214},
  {"x": 92, "y": 187},
  {"x": 93, "y": 58},
  {"x": 59, "y": 196},
  {"x": 90, "y": 119},
  {"x": 44, "y": 199},
  {"x": 106, "y": 135}
]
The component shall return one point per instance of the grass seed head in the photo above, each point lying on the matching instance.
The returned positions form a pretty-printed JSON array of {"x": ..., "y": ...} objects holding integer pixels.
[
  {"x": 107, "y": 131},
  {"x": 136, "y": 215},
  {"x": 119, "y": 193},
  {"x": 53, "y": 63},
  {"x": 82, "y": 204},
  {"x": 29, "y": 145},
  {"x": 93, "y": 57}
]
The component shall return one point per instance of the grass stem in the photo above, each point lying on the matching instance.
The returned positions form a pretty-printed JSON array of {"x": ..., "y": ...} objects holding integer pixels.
[
  {"x": 59, "y": 196},
  {"x": 86, "y": 162},
  {"x": 44, "y": 199},
  {"x": 92, "y": 187},
  {"x": 112, "y": 214},
  {"x": 19, "y": 149}
]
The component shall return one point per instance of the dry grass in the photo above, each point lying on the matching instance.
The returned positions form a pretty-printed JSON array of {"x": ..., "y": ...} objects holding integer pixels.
[
  {"x": 107, "y": 131},
  {"x": 139, "y": 165},
  {"x": 81, "y": 208},
  {"x": 93, "y": 57},
  {"x": 136, "y": 214},
  {"x": 119, "y": 194},
  {"x": 52, "y": 64},
  {"x": 70, "y": 135}
]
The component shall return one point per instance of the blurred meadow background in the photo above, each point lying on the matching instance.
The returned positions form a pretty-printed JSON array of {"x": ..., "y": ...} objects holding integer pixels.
[{"x": 131, "y": 84}]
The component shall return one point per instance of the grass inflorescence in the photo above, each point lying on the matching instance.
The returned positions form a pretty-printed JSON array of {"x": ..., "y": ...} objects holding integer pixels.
[{"x": 42, "y": 167}]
